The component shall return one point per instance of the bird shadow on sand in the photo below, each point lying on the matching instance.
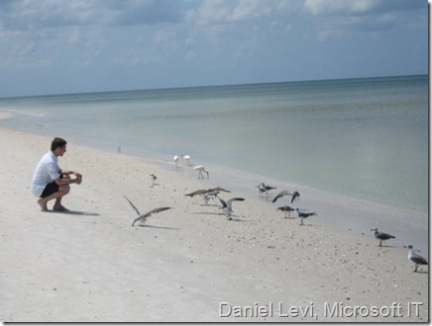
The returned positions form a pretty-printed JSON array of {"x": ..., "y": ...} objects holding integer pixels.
[
  {"x": 222, "y": 214},
  {"x": 422, "y": 271},
  {"x": 387, "y": 246},
  {"x": 69, "y": 212},
  {"x": 157, "y": 227},
  {"x": 238, "y": 220}
]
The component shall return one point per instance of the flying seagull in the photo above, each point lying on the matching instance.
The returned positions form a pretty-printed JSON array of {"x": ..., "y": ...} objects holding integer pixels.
[
  {"x": 227, "y": 206},
  {"x": 197, "y": 192},
  {"x": 416, "y": 258},
  {"x": 143, "y": 217},
  {"x": 381, "y": 236},
  {"x": 294, "y": 195},
  {"x": 207, "y": 193},
  {"x": 287, "y": 210},
  {"x": 302, "y": 215}
]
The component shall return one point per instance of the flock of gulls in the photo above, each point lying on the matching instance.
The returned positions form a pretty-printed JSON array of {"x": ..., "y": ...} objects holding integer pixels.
[{"x": 263, "y": 192}]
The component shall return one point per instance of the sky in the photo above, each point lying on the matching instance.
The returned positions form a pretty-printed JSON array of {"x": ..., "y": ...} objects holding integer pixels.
[{"x": 56, "y": 46}]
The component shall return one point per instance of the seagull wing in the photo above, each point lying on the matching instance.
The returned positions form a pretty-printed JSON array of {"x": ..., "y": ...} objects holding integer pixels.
[
  {"x": 223, "y": 202},
  {"x": 219, "y": 189},
  {"x": 417, "y": 259},
  {"x": 295, "y": 196},
  {"x": 132, "y": 205},
  {"x": 235, "y": 199},
  {"x": 144, "y": 216},
  {"x": 156, "y": 210},
  {"x": 197, "y": 192},
  {"x": 385, "y": 236},
  {"x": 280, "y": 195}
]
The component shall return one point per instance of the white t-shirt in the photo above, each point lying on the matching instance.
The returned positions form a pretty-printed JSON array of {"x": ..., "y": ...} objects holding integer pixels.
[{"x": 47, "y": 170}]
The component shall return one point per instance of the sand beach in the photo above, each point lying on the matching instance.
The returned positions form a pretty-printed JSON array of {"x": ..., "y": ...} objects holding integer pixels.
[{"x": 189, "y": 264}]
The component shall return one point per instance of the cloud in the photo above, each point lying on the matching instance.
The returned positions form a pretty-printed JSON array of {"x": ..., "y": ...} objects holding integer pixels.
[
  {"x": 235, "y": 11},
  {"x": 28, "y": 14},
  {"x": 336, "y": 18},
  {"x": 360, "y": 7},
  {"x": 213, "y": 39}
]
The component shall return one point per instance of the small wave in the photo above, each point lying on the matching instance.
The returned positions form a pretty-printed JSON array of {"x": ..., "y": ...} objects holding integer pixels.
[{"x": 5, "y": 115}]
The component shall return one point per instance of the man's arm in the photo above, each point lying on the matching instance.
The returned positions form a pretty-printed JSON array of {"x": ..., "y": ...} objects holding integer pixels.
[{"x": 65, "y": 178}]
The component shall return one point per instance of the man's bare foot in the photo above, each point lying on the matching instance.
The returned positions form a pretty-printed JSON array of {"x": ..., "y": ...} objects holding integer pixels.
[{"x": 43, "y": 205}]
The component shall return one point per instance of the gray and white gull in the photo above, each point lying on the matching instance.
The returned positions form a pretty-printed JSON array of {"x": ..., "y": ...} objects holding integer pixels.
[
  {"x": 294, "y": 195},
  {"x": 142, "y": 218},
  {"x": 302, "y": 214},
  {"x": 227, "y": 206},
  {"x": 381, "y": 236},
  {"x": 287, "y": 210},
  {"x": 416, "y": 258},
  {"x": 263, "y": 189}
]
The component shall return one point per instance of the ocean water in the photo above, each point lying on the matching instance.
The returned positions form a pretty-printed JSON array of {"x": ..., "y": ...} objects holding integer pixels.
[{"x": 366, "y": 138}]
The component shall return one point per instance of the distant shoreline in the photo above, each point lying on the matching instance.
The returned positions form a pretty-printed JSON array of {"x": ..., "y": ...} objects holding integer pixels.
[{"x": 75, "y": 94}]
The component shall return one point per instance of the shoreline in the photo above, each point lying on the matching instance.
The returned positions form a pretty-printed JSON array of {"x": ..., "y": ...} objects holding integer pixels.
[
  {"x": 345, "y": 212},
  {"x": 91, "y": 265}
]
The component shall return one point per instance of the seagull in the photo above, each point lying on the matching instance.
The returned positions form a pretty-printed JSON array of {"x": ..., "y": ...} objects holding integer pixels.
[
  {"x": 143, "y": 217},
  {"x": 201, "y": 169},
  {"x": 214, "y": 191},
  {"x": 198, "y": 192},
  {"x": 287, "y": 210},
  {"x": 227, "y": 206},
  {"x": 153, "y": 179},
  {"x": 262, "y": 188},
  {"x": 302, "y": 215},
  {"x": 217, "y": 190},
  {"x": 207, "y": 193},
  {"x": 415, "y": 258},
  {"x": 381, "y": 236},
  {"x": 176, "y": 159},
  {"x": 294, "y": 195}
]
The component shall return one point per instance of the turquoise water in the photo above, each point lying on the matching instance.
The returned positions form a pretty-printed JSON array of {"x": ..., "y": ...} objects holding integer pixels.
[{"x": 366, "y": 138}]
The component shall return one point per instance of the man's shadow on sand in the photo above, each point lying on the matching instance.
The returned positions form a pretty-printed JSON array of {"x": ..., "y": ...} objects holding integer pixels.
[{"x": 70, "y": 212}]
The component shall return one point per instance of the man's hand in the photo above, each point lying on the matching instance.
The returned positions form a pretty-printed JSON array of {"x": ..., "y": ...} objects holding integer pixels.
[{"x": 78, "y": 178}]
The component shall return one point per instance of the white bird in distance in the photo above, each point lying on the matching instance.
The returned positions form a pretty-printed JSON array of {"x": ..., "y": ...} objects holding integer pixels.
[{"x": 201, "y": 170}]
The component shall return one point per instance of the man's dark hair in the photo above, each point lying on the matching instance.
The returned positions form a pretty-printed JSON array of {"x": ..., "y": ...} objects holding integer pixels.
[{"x": 57, "y": 142}]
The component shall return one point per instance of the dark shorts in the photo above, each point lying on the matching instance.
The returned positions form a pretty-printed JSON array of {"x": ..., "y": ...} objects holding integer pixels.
[{"x": 50, "y": 189}]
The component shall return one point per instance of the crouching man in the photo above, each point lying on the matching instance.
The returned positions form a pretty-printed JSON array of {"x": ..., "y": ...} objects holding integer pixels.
[{"x": 50, "y": 181}]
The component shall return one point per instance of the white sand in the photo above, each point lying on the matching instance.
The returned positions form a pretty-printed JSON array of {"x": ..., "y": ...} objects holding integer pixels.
[{"x": 95, "y": 267}]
